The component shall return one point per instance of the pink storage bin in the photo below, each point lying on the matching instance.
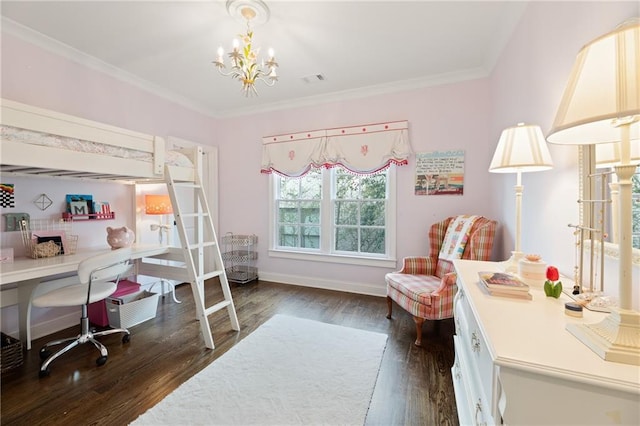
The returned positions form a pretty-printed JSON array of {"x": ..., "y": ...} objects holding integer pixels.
[{"x": 98, "y": 310}]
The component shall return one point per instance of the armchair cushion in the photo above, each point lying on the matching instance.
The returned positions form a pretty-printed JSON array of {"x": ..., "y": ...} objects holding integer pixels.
[{"x": 424, "y": 296}]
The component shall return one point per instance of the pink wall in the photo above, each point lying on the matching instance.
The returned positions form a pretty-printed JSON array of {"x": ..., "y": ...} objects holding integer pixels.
[{"x": 448, "y": 117}]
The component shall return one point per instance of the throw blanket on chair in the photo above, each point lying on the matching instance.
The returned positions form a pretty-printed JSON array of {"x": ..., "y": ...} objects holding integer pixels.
[{"x": 455, "y": 239}]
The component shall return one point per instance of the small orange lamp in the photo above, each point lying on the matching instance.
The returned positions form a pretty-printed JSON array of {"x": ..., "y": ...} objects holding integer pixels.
[{"x": 158, "y": 205}]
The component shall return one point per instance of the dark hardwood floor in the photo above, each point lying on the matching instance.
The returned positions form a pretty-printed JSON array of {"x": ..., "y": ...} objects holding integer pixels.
[{"x": 414, "y": 384}]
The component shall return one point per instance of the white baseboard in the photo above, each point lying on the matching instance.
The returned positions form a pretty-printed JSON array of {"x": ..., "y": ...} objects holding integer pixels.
[
  {"x": 349, "y": 287},
  {"x": 53, "y": 325}
]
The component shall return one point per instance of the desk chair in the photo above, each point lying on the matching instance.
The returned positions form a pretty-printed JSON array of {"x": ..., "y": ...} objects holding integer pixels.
[{"x": 98, "y": 276}]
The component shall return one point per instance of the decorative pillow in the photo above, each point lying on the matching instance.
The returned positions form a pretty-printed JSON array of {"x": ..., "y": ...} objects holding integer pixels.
[{"x": 455, "y": 239}]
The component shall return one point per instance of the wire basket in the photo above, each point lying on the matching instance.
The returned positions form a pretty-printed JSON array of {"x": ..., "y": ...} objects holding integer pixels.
[
  {"x": 11, "y": 353},
  {"x": 47, "y": 238}
]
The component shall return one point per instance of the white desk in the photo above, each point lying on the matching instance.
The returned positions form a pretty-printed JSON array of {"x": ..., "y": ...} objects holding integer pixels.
[
  {"x": 515, "y": 362},
  {"x": 28, "y": 273}
]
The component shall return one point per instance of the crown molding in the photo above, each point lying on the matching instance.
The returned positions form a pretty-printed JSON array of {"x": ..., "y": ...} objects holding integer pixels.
[{"x": 363, "y": 92}]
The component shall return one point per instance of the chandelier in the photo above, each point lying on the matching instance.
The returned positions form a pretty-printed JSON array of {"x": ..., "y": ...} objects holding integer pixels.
[{"x": 245, "y": 66}]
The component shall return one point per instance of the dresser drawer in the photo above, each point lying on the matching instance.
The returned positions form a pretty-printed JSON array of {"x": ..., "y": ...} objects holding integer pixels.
[
  {"x": 474, "y": 346},
  {"x": 472, "y": 405}
]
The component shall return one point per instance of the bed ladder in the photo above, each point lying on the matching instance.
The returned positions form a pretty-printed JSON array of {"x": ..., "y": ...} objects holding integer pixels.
[{"x": 202, "y": 246}]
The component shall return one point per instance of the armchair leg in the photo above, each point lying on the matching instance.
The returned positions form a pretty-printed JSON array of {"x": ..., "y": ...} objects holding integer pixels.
[
  {"x": 419, "y": 321},
  {"x": 389, "y": 307}
]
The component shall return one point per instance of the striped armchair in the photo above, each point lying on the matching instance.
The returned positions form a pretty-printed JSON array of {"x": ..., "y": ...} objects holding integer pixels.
[{"x": 425, "y": 286}]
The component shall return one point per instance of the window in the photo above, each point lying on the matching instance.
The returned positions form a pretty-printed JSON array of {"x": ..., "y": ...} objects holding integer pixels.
[{"x": 331, "y": 214}]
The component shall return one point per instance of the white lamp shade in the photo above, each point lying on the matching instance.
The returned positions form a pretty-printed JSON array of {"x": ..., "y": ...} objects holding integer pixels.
[
  {"x": 608, "y": 154},
  {"x": 603, "y": 90},
  {"x": 521, "y": 148}
]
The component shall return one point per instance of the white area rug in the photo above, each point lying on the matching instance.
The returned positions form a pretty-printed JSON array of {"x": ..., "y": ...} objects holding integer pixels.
[{"x": 290, "y": 371}]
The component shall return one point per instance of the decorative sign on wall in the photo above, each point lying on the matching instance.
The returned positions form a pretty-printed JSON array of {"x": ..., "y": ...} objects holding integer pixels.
[
  {"x": 439, "y": 173},
  {"x": 43, "y": 202},
  {"x": 6, "y": 194},
  {"x": 12, "y": 221}
]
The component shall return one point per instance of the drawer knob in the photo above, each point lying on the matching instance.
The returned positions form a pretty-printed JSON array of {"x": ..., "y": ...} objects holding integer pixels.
[
  {"x": 478, "y": 411},
  {"x": 475, "y": 342}
]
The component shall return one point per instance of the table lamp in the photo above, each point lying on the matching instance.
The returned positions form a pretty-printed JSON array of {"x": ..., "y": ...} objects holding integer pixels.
[
  {"x": 521, "y": 148},
  {"x": 159, "y": 205},
  {"x": 601, "y": 104}
]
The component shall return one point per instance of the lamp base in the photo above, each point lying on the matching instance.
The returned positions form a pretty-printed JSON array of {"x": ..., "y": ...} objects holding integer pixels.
[
  {"x": 615, "y": 339},
  {"x": 511, "y": 265}
]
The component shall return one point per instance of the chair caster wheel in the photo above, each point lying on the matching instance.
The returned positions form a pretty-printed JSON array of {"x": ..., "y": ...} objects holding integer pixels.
[
  {"x": 126, "y": 338},
  {"x": 101, "y": 360},
  {"x": 44, "y": 373},
  {"x": 44, "y": 354}
]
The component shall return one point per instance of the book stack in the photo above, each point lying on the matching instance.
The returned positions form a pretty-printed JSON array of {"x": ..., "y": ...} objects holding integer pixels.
[{"x": 504, "y": 285}]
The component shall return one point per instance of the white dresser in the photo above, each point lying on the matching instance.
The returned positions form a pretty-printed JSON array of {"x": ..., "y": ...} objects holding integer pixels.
[{"x": 516, "y": 364}]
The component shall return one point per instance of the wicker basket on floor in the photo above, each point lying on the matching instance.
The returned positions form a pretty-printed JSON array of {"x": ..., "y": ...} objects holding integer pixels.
[{"x": 11, "y": 353}]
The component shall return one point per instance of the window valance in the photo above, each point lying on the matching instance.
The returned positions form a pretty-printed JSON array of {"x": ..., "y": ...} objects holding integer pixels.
[{"x": 361, "y": 149}]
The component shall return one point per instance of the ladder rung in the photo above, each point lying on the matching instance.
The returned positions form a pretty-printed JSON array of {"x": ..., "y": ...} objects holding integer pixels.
[
  {"x": 201, "y": 245},
  {"x": 216, "y": 307},
  {"x": 194, "y": 214},
  {"x": 186, "y": 185},
  {"x": 209, "y": 275}
]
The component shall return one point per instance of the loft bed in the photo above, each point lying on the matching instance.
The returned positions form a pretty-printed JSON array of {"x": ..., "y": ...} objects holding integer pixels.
[{"x": 44, "y": 143}]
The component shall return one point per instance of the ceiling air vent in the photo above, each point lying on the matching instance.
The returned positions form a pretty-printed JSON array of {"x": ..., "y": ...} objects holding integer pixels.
[{"x": 313, "y": 78}]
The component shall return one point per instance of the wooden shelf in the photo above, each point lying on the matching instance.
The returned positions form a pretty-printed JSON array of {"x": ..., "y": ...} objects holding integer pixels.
[{"x": 68, "y": 217}]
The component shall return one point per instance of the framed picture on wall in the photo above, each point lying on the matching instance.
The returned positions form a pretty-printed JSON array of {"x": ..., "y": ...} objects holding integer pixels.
[{"x": 439, "y": 173}]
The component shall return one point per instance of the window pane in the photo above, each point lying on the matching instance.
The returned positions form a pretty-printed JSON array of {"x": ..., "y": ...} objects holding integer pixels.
[
  {"x": 347, "y": 185},
  {"x": 346, "y": 213},
  {"x": 374, "y": 187},
  {"x": 288, "y": 236},
  {"x": 310, "y": 237},
  {"x": 311, "y": 186},
  {"x": 289, "y": 189},
  {"x": 372, "y": 240},
  {"x": 310, "y": 212},
  {"x": 347, "y": 239},
  {"x": 288, "y": 212},
  {"x": 372, "y": 213}
]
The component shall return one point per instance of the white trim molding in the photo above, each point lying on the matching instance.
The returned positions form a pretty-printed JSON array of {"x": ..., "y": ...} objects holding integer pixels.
[{"x": 349, "y": 287}]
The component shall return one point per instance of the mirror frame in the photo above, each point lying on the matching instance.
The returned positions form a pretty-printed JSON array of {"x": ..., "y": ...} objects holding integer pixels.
[{"x": 586, "y": 167}]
